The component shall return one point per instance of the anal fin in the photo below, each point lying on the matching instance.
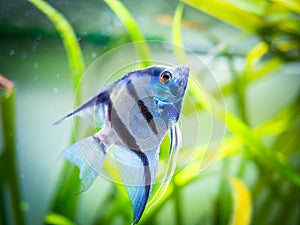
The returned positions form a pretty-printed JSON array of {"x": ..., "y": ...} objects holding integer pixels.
[
  {"x": 88, "y": 155},
  {"x": 138, "y": 171}
]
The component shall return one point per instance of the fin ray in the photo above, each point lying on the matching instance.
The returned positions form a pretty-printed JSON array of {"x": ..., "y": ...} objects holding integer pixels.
[
  {"x": 138, "y": 171},
  {"x": 95, "y": 104},
  {"x": 176, "y": 137},
  {"x": 88, "y": 155}
]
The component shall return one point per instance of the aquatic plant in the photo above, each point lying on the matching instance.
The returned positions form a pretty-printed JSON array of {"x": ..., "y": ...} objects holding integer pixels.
[
  {"x": 270, "y": 147},
  {"x": 9, "y": 182}
]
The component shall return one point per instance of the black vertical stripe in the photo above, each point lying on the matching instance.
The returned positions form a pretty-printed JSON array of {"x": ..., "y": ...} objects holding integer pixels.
[
  {"x": 143, "y": 108},
  {"x": 147, "y": 179},
  {"x": 122, "y": 131},
  {"x": 99, "y": 142},
  {"x": 104, "y": 97},
  {"x": 130, "y": 142}
]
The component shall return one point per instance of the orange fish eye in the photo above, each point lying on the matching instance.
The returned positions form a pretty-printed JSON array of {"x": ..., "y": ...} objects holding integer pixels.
[{"x": 165, "y": 77}]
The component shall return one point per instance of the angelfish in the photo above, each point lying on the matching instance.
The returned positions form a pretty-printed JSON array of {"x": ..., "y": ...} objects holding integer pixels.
[{"x": 137, "y": 111}]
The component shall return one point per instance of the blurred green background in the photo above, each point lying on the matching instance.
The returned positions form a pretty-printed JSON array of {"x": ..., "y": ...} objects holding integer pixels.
[{"x": 252, "y": 50}]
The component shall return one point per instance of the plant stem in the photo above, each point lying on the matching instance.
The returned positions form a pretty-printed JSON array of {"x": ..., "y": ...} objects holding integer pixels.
[
  {"x": 136, "y": 35},
  {"x": 3, "y": 214},
  {"x": 8, "y": 158},
  {"x": 224, "y": 203},
  {"x": 239, "y": 86},
  {"x": 70, "y": 42},
  {"x": 65, "y": 200},
  {"x": 177, "y": 203}
]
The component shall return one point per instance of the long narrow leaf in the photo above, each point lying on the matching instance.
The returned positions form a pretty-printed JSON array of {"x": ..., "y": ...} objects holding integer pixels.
[
  {"x": 231, "y": 144},
  {"x": 64, "y": 200},
  {"x": 70, "y": 42},
  {"x": 228, "y": 12},
  {"x": 255, "y": 54},
  {"x": 265, "y": 69},
  {"x": 293, "y": 5},
  {"x": 176, "y": 35},
  {"x": 135, "y": 34},
  {"x": 8, "y": 158},
  {"x": 242, "y": 202},
  {"x": 57, "y": 219},
  {"x": 237, "y": 127}
]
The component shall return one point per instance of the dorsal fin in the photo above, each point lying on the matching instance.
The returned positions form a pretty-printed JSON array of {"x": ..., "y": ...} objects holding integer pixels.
[{"x": 100, "y": 101}]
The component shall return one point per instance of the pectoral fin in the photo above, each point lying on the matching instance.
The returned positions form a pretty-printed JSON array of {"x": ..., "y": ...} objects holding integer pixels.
[{"x": 138, "y": 171}]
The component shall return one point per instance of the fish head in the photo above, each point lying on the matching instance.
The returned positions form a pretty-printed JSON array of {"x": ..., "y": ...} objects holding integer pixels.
[{"x": 169, "y": 83}]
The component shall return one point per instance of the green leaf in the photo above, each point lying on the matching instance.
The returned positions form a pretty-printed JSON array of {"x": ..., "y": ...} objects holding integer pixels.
[
  {"x": 292, "y": 5},
  {"x": 255, "y": 54},
  {"x": 277, "y": 124},
  {"x": 57, "y": 219},
  {"x": 256, "y": 147},
  {"x": 229, "y": 13},
  {"x": 9, "y": 170},
  {"x": 69, "y": 184},
  {"x": 176, "y": 35},
  {"x": 265, "y": 68},
  {"x": 135, "y": 34},
  {"x": 70, "y": 42},
  {"x": 229, "y": 146},
  {"x": 242, "y": 202}
]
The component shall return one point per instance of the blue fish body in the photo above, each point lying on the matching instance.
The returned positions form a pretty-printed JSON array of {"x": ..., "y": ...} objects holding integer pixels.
[{"x": 137, "y": 112}]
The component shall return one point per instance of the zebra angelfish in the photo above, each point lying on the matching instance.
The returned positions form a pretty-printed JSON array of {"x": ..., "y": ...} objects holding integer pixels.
[{"x": 137, "y": 112}]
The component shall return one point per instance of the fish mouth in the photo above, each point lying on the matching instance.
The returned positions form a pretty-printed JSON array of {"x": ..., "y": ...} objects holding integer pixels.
[
  {"x": 184, "y": 72},
  {"x": 184, "y": 69},
  {"x": 180, "y": 82}
]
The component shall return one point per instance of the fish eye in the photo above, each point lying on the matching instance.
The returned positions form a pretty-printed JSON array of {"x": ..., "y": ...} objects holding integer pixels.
[{"x": 165, "y": 77}]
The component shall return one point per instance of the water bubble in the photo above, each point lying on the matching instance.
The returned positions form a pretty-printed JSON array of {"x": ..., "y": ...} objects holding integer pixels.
[
  {"x": 23, "y": 55},
  {"x": 11, "y": 51},
  {"x": 35, "y": 78},
  {"x": 78, "y": 38},
  {"x": 38, "y": 37},
  {"x": 94, "y": 54},
  {"x": 57, "y": 75},
  {"x": 34, "y": 44},
  {"x": 55, "y": 90},
  {"x": 35, "y": 65},
  {"x": 24, "y": 206},
  {"x": 26, "y": 13}
]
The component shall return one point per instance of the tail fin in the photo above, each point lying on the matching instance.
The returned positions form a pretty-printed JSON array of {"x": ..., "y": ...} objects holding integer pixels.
[{"x": 88, "y": 155}]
